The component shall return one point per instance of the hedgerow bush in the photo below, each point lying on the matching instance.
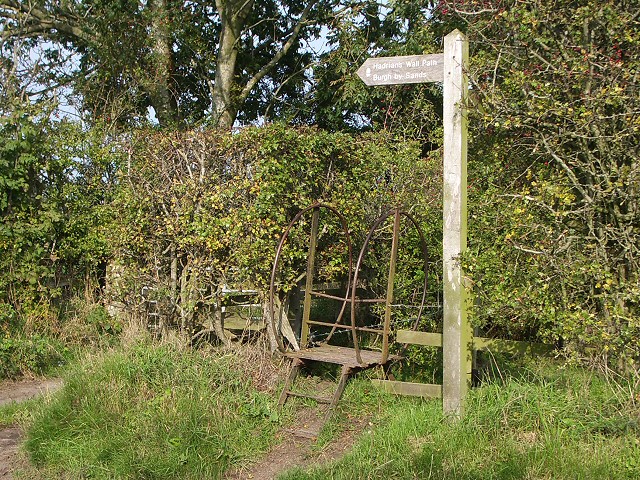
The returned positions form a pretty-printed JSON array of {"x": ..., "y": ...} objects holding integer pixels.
[{"x": 201, "y": 210}]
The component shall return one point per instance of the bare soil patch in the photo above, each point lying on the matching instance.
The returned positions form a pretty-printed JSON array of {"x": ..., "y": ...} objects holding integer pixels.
[
  {"x": 296, "y": 450},
  {"x": 9, "y": 441},
  {"x": 11, "y": 436},
  {"x": 21, "y": 390}
]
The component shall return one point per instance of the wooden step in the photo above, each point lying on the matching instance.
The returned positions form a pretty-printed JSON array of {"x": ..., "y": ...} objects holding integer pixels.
[
  {"x": 344, "y": 356},
  {"x": 312, "y": 397}
]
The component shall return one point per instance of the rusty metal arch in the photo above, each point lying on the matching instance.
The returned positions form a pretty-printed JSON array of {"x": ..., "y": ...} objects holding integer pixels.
[
  {"x": 351, "y": 360},
  {"x": 315, "y": 209}
]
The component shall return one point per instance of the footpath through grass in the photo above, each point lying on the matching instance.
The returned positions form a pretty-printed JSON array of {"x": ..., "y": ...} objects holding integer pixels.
[{"x": 160, "y": 411}]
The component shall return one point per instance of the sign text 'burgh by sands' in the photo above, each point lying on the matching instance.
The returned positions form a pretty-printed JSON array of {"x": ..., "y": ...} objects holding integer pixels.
[{"x": 399, "y": 70}]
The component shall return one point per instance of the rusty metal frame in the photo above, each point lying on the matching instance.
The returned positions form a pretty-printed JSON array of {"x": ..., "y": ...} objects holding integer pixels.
[
  {"x": 350, "y": 296},
  {"x": 397, "y": 214},
  {"x": 324, "y": 352}
]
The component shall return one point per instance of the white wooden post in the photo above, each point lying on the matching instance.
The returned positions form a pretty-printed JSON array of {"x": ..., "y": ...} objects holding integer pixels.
[{"x": 456, "y": 338}]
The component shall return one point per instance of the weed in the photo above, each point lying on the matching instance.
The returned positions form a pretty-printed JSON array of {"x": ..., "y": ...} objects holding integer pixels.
[
  {"x": 18, "y": 412},
  {"x": 35, "y": 354}
]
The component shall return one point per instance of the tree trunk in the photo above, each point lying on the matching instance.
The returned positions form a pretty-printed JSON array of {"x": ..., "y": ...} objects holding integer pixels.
[
  {"x": 233, "y": 14},
  {"x": 159, "y": 82}
]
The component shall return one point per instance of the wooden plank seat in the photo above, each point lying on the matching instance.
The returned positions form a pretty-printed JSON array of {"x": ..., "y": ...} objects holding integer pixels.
[{"x": 345, "y": 356}]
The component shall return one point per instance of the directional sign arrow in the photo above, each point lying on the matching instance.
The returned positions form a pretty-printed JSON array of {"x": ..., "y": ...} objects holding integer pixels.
[{"x": 399, "y": 70}]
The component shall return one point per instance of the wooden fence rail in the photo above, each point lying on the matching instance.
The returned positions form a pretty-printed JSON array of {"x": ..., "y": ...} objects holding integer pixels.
[{"x": 429, "y": 339}]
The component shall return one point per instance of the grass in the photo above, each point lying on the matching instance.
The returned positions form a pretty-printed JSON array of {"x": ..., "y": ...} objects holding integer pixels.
[
  {"x": 546, "y": 422},
  {"x": 20, "y": 413},
  {"x": 160, "y": 411},
  {"x": 49, "y": 340},
  {"x": 153, "y": 411}
]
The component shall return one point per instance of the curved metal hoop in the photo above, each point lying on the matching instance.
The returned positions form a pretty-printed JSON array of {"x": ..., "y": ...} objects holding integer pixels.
[
  {"x": 276, "y": 262},
  {"x": 397, "y": 213}
]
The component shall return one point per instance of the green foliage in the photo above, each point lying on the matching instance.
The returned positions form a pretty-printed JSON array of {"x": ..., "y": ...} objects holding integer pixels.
[
  {"x": 21, "y": 355},
  {"x": 52, "y": 185},
  {"x": 87, "y": 324},
  {"x": 553, "y": 170},
  {"x": 54, "y": 180},
  {"x": 554, "y": 181},
  {"x": 122, "y": 57},
  {"x": 341, "y": 101},
  {"x": 32, "y": 178},
  {"x": 214, "y": 205},
  {"x": 95, "y": 156},
  {"x": 100, "y": 318}
]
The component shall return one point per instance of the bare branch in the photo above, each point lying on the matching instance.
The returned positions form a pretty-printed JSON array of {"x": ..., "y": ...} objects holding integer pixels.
[
  {"x": 528, "y": 250},
  {"x": 33, "y": 21}
]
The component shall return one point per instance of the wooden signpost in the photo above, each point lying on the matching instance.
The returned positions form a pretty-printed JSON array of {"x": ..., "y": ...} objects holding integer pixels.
[{"x": 450, "y": 69}]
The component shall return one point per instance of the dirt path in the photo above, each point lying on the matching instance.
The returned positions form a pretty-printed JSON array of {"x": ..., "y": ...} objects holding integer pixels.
[
  {"x": 295, "y": 450},
  {"x": 18, "y": 391},
  {"x": 10, "y": 437},
  {"x": 9, "y": 441}
]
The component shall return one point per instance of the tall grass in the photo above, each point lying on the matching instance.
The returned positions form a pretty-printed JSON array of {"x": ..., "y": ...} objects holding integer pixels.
[
  {"x": 544, "y": 423},
  {"x": 161, "y": 411},
  {"x": 154, "y": 411}
]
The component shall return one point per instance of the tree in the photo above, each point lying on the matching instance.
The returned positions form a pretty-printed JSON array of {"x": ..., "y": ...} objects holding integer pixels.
[
  {"x": 51, "y": 208},
  {"x": 341, "y": 101},
  {"x": 54, "y": 185},
  {"x": 558, "y": 82},
  {"x": 188, "y": 60}
]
